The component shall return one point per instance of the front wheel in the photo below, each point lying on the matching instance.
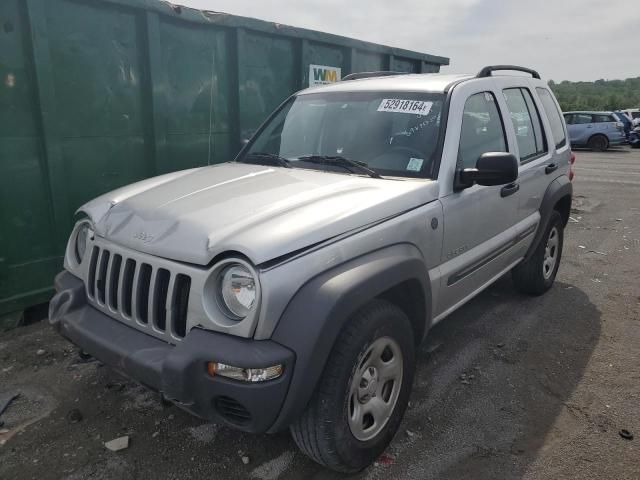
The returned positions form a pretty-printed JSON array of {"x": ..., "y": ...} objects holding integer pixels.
[
  {"x": 363, "y": 392},
  {"x": 536, "y": 275}
]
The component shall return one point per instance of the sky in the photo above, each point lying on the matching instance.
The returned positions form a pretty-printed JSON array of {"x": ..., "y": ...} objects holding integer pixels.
[{"x": 563, "y": 39}]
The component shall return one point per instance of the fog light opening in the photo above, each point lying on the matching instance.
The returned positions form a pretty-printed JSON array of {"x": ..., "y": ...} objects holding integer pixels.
[{"x": 251, "y": 375}]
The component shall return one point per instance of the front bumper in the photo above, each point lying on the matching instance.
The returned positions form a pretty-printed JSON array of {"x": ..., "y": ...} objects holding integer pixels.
[{"x": 178, "y": 372}]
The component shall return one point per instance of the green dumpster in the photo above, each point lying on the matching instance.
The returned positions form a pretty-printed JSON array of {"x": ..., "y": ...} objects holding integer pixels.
[{"x": 96, "y": 94}]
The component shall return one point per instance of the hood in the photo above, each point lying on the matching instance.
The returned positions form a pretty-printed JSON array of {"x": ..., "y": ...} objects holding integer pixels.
[{"x": 261, "y": 212}]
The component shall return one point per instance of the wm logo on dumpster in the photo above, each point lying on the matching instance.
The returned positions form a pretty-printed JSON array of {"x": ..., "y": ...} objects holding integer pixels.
[{"x": 323, "y": 75}]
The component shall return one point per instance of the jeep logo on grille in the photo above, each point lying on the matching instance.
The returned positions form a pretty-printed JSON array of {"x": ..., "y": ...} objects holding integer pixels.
[{"x": 144, "y": 237}]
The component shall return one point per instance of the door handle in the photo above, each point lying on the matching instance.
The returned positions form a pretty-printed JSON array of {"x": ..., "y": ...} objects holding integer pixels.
[
  {"x": 552, "y": 167},
  {"x": 509, "y": 189}
]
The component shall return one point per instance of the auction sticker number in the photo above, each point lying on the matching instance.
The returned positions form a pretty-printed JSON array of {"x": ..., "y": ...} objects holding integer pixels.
[{"x": 400, "y": 105}]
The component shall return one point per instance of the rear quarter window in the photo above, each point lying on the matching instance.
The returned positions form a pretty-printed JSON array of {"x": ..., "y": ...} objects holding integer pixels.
[
  {"x": 603, "y": 119},
  {"x": 555, "y": 118}
]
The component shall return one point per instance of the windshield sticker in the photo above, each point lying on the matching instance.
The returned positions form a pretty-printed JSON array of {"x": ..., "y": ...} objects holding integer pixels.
[
  {"x": 399, "y": 105},
  {"x": 415, "y": 164}
]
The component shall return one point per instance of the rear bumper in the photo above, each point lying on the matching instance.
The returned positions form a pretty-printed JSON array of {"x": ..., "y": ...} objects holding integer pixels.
[
  {"x": 178, "y": 372},
  {"x": 617, "y": 140}
]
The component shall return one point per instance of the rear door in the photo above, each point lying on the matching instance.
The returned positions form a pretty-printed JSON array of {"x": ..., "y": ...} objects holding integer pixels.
[{"x": 534, "y": 155}]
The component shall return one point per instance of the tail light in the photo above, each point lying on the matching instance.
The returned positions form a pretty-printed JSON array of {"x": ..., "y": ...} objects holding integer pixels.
[{"x": 572, "y": 160}]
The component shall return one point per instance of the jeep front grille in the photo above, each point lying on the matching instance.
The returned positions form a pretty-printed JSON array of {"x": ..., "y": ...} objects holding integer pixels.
[{"x": 148, "y": 297}]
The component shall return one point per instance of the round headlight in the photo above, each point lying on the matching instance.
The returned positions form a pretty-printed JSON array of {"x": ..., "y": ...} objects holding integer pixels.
[
  {"x": 81, "y": 241},
  {"x": 238, "y": 290}
]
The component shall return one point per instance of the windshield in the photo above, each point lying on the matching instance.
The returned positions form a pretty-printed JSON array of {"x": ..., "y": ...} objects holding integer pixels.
[{"x": 391, "y": 133}]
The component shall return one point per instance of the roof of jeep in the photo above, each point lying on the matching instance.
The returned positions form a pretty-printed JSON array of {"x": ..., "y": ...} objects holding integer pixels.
[
  {"x": 590, "y": 112},
  {"x": 415, "y": 82}
]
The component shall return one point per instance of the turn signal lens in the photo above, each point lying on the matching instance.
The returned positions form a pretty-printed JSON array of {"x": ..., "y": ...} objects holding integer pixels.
[{"x": 251, "y": 375}]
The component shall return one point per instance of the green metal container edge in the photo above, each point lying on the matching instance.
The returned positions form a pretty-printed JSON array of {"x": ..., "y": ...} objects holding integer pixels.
[{"x": 222, "y": 19}]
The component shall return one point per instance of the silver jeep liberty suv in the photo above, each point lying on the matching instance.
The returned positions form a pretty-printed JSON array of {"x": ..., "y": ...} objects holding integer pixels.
[{"x": 290, "y": 287}]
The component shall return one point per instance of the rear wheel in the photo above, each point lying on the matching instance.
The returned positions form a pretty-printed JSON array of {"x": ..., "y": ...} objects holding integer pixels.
[
  {"x": 363, "y": 392},
  {"x": 598, "y": 143},
  {"x": 536, "y": 275}
]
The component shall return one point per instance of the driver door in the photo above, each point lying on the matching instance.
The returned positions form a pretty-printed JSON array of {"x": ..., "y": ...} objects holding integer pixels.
[{"x": 479, "y": 220}]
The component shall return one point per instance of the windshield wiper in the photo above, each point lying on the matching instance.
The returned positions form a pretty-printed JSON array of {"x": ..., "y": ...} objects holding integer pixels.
[
  {"x": 338, "y": 161},
  {"x": 262, "y": 158}
]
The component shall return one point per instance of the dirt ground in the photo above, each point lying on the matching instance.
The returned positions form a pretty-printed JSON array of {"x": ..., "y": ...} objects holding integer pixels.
[{"x": 507, "y": 387}]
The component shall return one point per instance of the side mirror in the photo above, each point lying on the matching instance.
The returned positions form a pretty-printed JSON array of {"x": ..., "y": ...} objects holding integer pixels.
[{"x": 492, "y": 168}]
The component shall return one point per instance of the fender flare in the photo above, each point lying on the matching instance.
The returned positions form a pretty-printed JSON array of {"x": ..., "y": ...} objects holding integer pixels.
[
  {"x": 558, "y": 189},
  {"x": 321, "y": 308}
]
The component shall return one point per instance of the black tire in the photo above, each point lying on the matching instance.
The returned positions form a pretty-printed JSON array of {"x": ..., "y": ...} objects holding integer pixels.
[
  {"x": 323, "y": 431},
  {"x": 529, "y": 276},
  {"x": 598, "y": 143}
]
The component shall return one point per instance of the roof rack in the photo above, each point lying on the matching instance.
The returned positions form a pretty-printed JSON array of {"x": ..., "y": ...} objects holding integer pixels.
[
  {"x": 360, "y": 75},
  {"x": 488, "y": 71}
]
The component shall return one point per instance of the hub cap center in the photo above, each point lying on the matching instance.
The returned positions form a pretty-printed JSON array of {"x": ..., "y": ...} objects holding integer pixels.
[{"x": 368, "y": 385}]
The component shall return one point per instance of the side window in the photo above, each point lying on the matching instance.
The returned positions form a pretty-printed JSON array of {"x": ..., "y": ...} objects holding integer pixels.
[
  {"x": 526, "y": 123},
  {"x": 582, "y": 119},
  {"x": 482, "y": 129},
  {"x": 568, "y": 118},
  {"x": 603, "y": 119},
  {"x": 541, "y": 138},
  {"x": 553, "y": 114}
]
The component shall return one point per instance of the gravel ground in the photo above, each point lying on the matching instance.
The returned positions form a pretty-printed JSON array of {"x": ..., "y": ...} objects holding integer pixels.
[{"x": 507, "y": 387}]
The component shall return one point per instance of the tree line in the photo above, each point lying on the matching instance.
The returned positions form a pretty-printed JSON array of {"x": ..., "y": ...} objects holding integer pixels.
[{"x": 598, "y": 95}]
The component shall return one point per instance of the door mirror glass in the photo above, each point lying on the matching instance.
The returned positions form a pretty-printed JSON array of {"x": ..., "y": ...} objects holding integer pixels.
[{"x": 492, "y": 168}]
